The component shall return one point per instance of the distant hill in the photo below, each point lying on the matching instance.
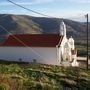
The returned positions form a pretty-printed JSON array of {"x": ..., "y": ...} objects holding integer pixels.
[{"x": 23, "y": 24}]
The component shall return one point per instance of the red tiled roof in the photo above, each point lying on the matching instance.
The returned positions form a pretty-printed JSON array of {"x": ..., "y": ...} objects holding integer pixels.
[{"x": 33, "y": 40}]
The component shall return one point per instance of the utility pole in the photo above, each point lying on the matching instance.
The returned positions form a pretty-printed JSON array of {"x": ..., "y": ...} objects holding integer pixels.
[{"x": 87, "y": 41}]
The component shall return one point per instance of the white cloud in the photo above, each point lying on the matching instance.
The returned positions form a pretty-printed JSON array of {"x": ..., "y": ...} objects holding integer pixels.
[
  {"x": 4, "y": 3},
  {"x": 76, "y": 1},
  {"x": 41, "y": 1},
  {"x": 81, "y": 1},
  {"x": 35, "y": 2},
  {"x": 27, "y": 2}
]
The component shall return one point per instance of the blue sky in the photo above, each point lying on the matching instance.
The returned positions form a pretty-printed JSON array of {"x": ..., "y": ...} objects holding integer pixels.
[{"x": 73, "y": 9}]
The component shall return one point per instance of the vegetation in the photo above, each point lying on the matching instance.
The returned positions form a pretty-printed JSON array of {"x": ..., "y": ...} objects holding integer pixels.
[
  {"x": 82, "y": 49},
  {"x": 43, "y": 77}
]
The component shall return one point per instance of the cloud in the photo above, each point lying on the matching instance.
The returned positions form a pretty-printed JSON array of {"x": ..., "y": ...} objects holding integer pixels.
[
  {"x": 34, "y": 2},
  {"x": 4, "y": 3},
  {"x": 48, "y": 1},
  {"x": 41, "y": 1},
  {"x": 28, "y": 2},
  {"x": 81, "y": 1},
  {"x": 76, "y": 1}
]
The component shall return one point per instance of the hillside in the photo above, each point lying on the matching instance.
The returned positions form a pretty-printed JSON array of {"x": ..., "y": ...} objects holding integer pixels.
[
  {"x": 19, "y": 24},
  {"x": 23, "y": 24},
  {"x": 43, "y": 77}
]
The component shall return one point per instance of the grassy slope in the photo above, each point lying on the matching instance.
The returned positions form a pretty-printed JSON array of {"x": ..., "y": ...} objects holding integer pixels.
[{"x": 42, "y": 77}]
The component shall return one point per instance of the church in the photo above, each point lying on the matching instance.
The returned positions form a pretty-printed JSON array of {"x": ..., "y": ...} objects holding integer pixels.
[{"x": 53, "y": 49}]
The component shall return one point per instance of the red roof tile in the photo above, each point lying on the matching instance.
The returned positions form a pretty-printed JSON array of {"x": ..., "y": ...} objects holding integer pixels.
[{"x": 33, "y": 40}]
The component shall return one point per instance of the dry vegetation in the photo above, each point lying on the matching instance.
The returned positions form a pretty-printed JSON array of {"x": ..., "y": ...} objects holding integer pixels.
[{"x": 42, "y": 77}]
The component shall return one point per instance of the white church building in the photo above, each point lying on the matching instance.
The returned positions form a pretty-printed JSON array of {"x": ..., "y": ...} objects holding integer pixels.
[{"x": 55, "y": 49}]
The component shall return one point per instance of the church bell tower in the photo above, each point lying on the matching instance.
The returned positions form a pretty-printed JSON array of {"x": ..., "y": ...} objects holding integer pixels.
[{"x": 63, "y": 29}]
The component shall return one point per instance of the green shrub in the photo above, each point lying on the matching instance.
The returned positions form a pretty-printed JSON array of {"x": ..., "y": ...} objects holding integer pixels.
[{"x": 4, "y": 87}]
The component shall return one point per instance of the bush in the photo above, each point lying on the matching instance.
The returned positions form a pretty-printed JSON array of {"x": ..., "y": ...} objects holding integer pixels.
[{"x": 3, "y": 87}]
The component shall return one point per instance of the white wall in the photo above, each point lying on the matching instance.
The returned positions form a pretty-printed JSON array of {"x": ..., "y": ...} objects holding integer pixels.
[{"x": 42, "y": 55}]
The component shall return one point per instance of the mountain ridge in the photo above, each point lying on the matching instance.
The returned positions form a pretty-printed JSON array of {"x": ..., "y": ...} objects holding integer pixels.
[{"x": 24, "y": 24}]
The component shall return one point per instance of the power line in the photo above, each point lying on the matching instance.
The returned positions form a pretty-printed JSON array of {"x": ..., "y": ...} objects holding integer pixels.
[
  {"x": 14, "y": 21},
  {"x": 30, "y": 9},
  {"x": 20, "y": 41},
  {"x": 36, "y": 12}
]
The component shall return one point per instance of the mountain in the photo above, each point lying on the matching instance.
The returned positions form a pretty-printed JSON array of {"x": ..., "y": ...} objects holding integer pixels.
[{"x": 23, "y": 24}]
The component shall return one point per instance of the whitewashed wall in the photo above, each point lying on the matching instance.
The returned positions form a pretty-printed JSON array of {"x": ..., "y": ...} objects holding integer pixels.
[{"x": 42, "y": 55}]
